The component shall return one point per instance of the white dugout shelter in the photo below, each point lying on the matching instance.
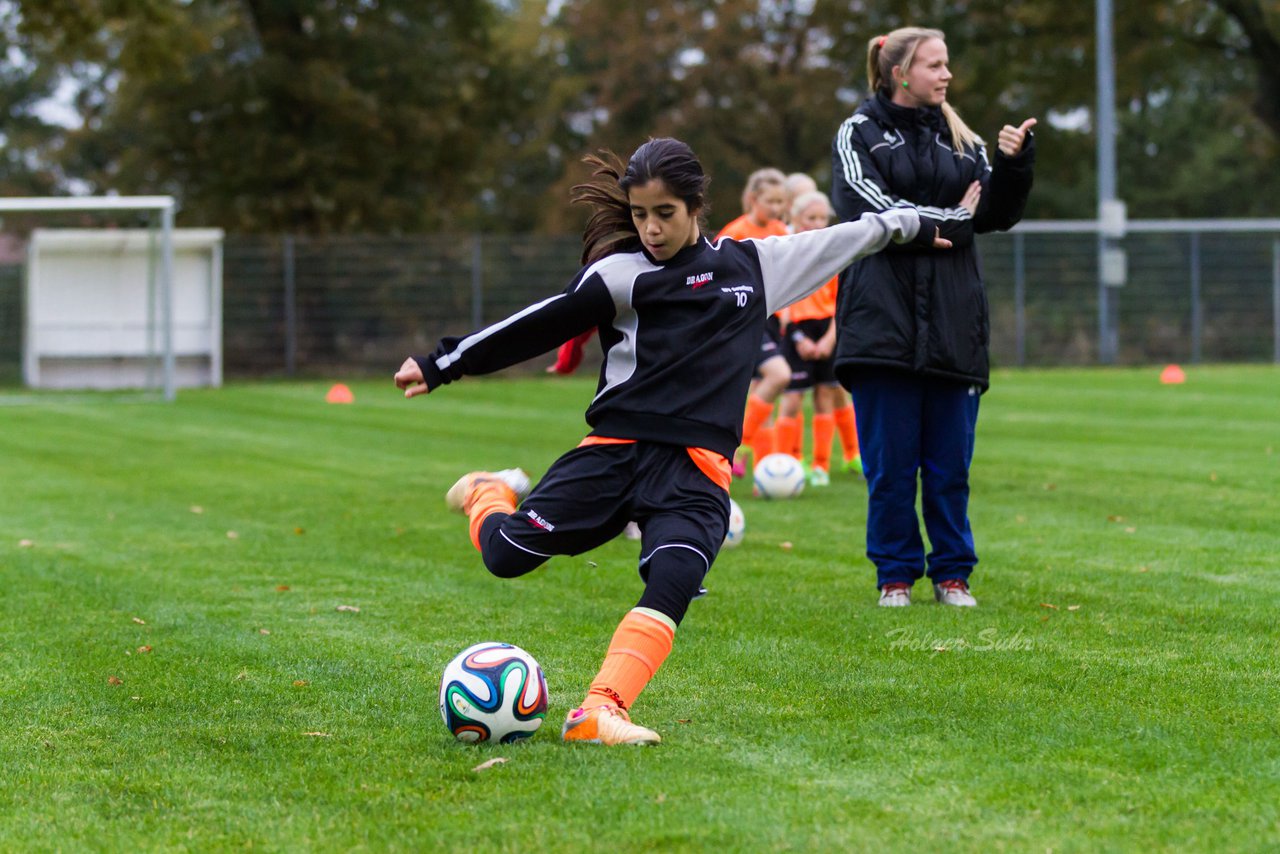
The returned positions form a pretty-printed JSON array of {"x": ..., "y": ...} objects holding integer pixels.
[{"x": 121, "y": 308}]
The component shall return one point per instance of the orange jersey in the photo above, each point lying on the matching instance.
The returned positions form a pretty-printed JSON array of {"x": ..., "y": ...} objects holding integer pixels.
[
  {"x": 819, "y": 305},
  {"x": 743, "y": 228}
]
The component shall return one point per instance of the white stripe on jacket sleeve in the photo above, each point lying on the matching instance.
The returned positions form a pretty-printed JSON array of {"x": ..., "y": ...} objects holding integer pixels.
[{"x": 871, "y": 190}]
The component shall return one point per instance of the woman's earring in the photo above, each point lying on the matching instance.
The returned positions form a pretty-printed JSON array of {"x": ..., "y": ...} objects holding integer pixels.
[{"x": 904, "y": 84}]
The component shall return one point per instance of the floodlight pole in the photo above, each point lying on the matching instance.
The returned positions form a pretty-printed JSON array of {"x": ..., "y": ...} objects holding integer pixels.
[{"x": 1111, "y": 260}]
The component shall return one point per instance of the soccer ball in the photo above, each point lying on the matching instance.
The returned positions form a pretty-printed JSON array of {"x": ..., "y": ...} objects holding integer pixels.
[
  {"x": 779, "y": 476},
  {"x": 737, "y": 526},
  {"x": 493, "y": 692}
]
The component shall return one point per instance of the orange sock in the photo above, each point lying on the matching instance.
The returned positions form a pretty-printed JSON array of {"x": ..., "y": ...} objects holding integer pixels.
[
  {"x": 787, "y": 436},
  {"x": 757, "y": 413},
  {"x": 762, "y": 444},
  {"x": 640, "y": 644},
  {"x": 848, "y": 427},
  {"x": 824, "y": 429},
  {"x": 485, "y": 499}
]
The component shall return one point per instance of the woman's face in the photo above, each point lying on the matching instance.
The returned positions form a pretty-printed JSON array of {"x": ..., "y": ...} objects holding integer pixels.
[
  {"x": 664, "y": 221},
  {"x": 815, "y": 215},
  {"x": 927, "y": 78},
  {"x": 768, "y": 203}
]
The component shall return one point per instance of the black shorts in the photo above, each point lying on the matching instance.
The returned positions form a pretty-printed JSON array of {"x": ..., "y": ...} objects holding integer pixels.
[
  {"x": 770, "y": 343},
  {"x": 590, "y": 494},
  {"x": 808, "y": 373}
]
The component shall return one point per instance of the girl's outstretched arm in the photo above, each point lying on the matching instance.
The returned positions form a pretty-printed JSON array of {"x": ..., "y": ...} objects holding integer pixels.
[
  {"x": 796, "y": 265},
  {"x": 530, "y": 332}
]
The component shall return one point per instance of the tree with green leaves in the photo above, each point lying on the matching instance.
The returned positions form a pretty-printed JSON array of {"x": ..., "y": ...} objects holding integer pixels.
[
  {"x": 752, "y": 83},
  {"x": 28, "y": 142},
  {"x": 285, "y": 115},
  {"x": 403, "y": 116}
]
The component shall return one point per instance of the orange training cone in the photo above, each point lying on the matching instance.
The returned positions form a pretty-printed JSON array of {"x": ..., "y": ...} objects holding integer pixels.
[
  {"x": 339, "y": 394},
  {"x": 1173, "y": 375}
]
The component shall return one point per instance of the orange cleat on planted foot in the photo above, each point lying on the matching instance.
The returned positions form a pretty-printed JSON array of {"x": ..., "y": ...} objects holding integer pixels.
[{"x": 606, "y": 725}]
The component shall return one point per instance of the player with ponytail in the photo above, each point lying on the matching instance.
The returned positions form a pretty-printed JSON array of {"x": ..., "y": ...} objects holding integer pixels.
[{"x": 680, "y": 321}]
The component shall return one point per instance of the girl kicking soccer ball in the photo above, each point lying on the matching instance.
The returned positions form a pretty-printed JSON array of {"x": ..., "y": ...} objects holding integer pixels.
[{"x": 680, "y": 321}]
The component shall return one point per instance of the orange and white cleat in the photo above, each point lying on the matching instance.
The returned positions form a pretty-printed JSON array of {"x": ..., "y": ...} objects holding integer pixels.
[
  {"x": 461, "y": 495},
  {"x": 606, "y": 725}
]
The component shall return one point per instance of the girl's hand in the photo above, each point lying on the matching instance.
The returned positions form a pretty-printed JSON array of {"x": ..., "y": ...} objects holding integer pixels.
[
  {"x": 971, "y": 197},
  {"x": 410, "y": 378},
  {"x": 1012, "y": 138},
  {"x": 940, "y": 242}
]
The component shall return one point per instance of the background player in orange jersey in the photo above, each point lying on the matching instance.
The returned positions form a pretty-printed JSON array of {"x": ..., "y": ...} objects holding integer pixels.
[
  {"x": 763, "y": 202},
  {"x": 809, "y": 344},
  {"x": 797, "y": 184}
]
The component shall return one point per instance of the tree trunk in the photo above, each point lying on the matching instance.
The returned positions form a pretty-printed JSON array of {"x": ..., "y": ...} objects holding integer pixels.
[{"x": 1264, "y": 47}]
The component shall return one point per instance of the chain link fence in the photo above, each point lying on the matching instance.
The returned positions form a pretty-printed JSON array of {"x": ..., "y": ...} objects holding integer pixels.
[
  {"x": 318, "y": 306},
  {"x": 309, "y": 306},
  {"x": 1195, "y": 291}
]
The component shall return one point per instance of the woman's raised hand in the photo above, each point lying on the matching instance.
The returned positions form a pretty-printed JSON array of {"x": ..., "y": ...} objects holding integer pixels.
[{"x": 1012, "y": 138}]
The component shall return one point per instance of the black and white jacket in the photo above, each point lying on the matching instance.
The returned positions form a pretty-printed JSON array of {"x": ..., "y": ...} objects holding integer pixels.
[
  {"x": 913, "y": 308},
  {"x": 680, "y": 337}
]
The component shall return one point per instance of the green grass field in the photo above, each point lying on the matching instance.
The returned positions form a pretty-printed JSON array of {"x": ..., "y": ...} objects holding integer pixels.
[{"x": 175, "y": 672}]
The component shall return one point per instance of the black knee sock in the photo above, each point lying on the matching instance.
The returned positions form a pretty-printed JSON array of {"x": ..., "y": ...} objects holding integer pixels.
[{"x": 501, "y": 557}]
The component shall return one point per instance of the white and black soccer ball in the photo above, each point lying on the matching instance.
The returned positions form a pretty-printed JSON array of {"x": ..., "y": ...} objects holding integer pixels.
[
  {"x": 493, "y": 692},
  {"x": 778, "y": 476},
  {"x": 737, "y": 526}
]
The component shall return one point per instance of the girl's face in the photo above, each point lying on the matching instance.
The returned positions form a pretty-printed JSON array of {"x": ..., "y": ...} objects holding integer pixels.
[
  {"x": 767, "y": 204},
  {"x": 664, "y": 221},
  {"x": 927, "y": 78},
  {"x": 815, "y": 215}
]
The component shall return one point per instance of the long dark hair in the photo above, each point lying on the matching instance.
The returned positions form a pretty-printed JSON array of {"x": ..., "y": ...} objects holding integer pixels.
[{"x": 610, "y": 229}]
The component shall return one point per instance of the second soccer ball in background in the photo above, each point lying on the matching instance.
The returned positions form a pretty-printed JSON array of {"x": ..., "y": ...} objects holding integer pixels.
[
  {"x": 737, "y": 526},
  {"x": 778, "y": 476}
]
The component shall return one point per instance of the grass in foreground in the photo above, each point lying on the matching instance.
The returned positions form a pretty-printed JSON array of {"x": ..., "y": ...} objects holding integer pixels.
[{"x": 175, "y": 672}]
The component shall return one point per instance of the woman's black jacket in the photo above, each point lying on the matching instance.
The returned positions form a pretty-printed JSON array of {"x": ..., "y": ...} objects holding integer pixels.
[{"x": 920, "y": 310}]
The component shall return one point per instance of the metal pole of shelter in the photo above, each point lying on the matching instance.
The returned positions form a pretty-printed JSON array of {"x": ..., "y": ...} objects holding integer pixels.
[{"x": 166, "y": 303}]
